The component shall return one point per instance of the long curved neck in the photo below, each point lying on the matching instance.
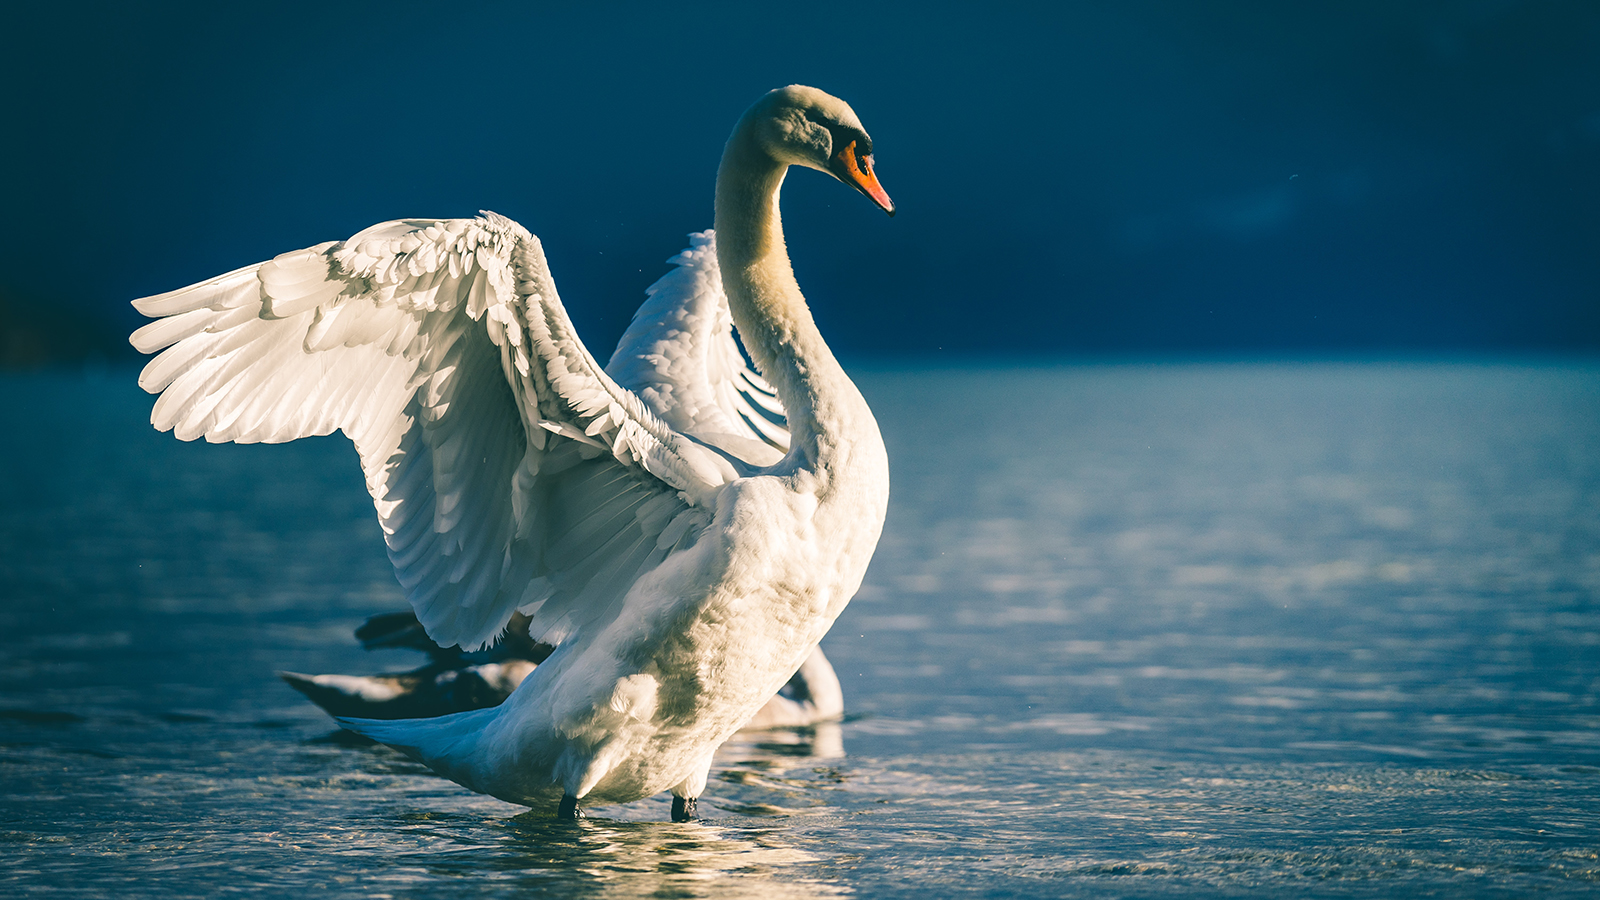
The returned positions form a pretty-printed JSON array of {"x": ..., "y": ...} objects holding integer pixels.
[{"x": 768, "y": 309}]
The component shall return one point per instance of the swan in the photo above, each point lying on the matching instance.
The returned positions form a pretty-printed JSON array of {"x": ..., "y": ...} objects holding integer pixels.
[{"x": 679, "y": 528}]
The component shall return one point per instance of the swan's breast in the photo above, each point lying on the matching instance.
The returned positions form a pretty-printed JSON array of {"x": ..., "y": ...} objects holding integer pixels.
[
  {"x": 719, "y": 627},
  {"x": 791, "y": 558}
]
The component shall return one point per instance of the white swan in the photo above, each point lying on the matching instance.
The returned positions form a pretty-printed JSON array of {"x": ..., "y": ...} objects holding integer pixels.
[{"x": 682, "y": 532}]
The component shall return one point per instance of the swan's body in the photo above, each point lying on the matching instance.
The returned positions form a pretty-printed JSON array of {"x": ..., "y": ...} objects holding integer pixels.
[{"x": 682, "y": 550}]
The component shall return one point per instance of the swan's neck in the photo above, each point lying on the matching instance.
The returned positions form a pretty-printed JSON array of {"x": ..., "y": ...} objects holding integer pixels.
[{"x": 768, "y": 309}]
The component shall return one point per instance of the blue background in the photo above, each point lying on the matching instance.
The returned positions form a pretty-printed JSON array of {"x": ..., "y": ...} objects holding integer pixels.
[{"x": 1139, "y": 176}]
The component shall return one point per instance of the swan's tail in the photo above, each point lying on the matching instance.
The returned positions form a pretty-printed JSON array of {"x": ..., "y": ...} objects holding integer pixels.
[{"x": 446, "y": 744}]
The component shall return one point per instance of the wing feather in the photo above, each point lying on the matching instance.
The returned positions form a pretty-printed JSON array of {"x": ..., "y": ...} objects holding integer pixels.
[
  {"x": 680, "y": 356},
  {"x": 507, "y": 468}
]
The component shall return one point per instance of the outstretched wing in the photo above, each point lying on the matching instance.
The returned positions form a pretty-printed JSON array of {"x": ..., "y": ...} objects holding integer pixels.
[
  {"x": 508, "y": 470},
  {"x": 680, "y": 356}
]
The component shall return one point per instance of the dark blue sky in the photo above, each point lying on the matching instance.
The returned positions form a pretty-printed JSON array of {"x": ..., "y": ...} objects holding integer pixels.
[{"x": 1119, "y": 176}]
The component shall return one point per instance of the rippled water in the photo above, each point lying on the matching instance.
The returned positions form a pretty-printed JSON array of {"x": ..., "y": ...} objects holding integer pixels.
[{"x": 1315, "y": 630}]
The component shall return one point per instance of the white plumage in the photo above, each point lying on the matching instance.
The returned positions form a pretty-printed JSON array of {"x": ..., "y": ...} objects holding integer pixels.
[{"x": 682, "y": 530}]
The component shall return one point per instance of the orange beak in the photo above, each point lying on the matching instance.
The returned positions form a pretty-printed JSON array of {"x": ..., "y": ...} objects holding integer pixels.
[{"x": 859, "y": 176}]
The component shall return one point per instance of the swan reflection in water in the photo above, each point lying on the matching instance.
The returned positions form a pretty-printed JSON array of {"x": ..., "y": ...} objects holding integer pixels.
[
  {"x": 767, "y": 779},
  {"x": 599, "y": 858}
]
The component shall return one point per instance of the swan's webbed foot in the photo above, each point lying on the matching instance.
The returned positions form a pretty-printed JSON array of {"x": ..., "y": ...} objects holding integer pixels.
[
  {"x": 568, "y": 811},
  {"x": 683, "y": 809}
]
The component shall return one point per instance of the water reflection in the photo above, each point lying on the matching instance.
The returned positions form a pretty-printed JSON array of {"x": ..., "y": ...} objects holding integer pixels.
[
  {"x": 821, "y": 741},
  {"x": 771, "y": 775},
  {"x": 601, "y": 858}
]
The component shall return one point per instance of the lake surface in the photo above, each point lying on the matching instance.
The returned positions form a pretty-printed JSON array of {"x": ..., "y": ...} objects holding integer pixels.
[{"x": 1320, "y": 630}]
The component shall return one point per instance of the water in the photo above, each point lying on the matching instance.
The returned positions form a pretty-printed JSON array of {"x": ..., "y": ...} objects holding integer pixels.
[{"x": 1318, "y": 630}]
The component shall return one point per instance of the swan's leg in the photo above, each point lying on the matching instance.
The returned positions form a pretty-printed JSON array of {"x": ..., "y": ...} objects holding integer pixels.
[
  {"x": 683, "y": 809},
  {"x": 568, "y": 810},
  {"x": 689, "y": 790}
]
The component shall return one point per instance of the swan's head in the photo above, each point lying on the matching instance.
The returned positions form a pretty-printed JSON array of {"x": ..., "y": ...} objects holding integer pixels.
[{"x": 802, "y": 126}]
